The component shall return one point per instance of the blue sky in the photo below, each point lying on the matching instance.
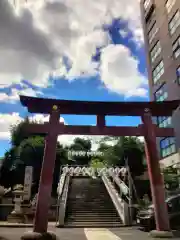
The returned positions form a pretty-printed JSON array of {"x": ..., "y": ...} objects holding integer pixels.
[{"x": 93, "y": 87}]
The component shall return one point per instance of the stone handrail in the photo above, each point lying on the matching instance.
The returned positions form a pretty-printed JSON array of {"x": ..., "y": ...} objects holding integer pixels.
[
  {"x": 122, "y": 186},
  {"x": 63, "y": 201},
  {"x": 120, "y": 205},
  {"x": 61, "y": 184}
]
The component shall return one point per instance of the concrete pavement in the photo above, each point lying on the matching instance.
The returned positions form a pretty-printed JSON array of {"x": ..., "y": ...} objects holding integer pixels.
[{"x": 82, "y": 233}]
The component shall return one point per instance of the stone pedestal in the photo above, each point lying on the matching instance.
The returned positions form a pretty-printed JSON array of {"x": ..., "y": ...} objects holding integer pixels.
[
  {"x": 39, "y": 236},
  {"x": 17, "y": 216},
  {"x": 161, "y": 234}
]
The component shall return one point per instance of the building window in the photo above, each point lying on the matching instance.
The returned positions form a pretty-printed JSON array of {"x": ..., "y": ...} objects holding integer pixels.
[
  {"x": 167, "y": 146},
  {"x": 158, "y": 72},
  {"x": 161, "y": 94},
  {"x": 146, "y": 4},
  {"x": 178, "y": 75},
  {"x": 176, "y": 48},
  {"x": 170, "y": 4},
  {"x": 174, "y": 23},
  {"x": 155, "y": 51},
  {"x": 152, "y": 32},
  {"x": 164, "y": 122}
]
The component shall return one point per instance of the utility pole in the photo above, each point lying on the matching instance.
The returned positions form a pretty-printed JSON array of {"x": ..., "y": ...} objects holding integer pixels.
[{"x": 130, "y": 190}]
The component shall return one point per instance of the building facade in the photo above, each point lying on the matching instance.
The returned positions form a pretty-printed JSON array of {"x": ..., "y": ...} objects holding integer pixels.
[
  {"x": 18, "y": 3},
  {"x": 161, "y": 25}
]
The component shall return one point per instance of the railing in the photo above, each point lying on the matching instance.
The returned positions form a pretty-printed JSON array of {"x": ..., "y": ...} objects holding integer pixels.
[
  {"x": 120, "y": 205},
  {"x": 63, "y": 201},
  {"x": 122, "y": 186},
  {"x": 82, "y": 170},
  {"x": 61, "y": 184}
]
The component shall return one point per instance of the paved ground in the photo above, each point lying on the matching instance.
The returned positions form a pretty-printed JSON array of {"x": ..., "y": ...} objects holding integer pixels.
[{"x": 82, "y": 233}]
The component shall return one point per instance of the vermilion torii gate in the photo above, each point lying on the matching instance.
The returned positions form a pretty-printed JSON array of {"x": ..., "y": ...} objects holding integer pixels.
[{"x": 146, "y": 110}]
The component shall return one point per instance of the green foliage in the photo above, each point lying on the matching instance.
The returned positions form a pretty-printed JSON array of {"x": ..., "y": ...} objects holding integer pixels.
[
  {"x": 124, "y": 148},
  {"x": 18, "y": 134},
  {"x": 97, "y": 163},
  {"x": 28, "y": 150},
  {"x": 7, "y": 169},
  {"x": 171, "y": 178},
  {"x": 81, "y": 144}
]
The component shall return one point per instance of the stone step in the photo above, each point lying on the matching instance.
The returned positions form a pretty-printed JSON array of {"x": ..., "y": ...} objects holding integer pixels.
[
  {"x": 103, "y": 213},
  {"x": 95, "y": 218},
  {"x": 103, "y": 199},
  {"x": 92, "y": 224},
  {"x": 93, "y": 206},
  {"x": 95, "y": 210},
  {"x": 81, "y": 212},
  {"x": 90, "y": 207},
  {"x": 91, "y": 200},
  {"x": 91, "y": 216}
]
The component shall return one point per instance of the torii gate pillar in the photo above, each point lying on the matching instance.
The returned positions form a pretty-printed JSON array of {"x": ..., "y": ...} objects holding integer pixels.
[
  {"x": 155, "y": 176},
  {"x": 45, "y": 184}
]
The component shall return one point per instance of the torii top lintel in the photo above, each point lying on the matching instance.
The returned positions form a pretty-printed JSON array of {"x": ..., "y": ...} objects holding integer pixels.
[{"x": 45, "y": 106}]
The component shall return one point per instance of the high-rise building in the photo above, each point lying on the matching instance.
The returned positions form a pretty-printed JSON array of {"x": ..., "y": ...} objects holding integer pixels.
[{"x": 161, "y": 25}]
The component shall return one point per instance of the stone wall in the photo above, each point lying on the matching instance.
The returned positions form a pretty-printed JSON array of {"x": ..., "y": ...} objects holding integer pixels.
[{"x": 6, "y": 209}]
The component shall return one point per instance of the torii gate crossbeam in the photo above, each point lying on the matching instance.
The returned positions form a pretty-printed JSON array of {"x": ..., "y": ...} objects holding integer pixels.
[{"x": 52, "y": 129}]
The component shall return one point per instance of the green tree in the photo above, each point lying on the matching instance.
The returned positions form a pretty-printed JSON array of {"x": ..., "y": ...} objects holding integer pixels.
[
  {"x": 122, "y": 148},
  {"x": 97, "y": 163},
  {"x": 81, "y": 144},
  {"x": 18, "y": 134},
  {"x": 31, "y": 152},
  {"x": 27, "y": 150},
  {"x": 7, "y": 176},
  {"x": 132, "y": 150},
  {"x": 171, "y": 178}
]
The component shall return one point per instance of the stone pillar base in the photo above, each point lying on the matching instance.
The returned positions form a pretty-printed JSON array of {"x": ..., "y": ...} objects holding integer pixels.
[
  {"x": 16, "y": 218},
  {"x": 161, "y": 234},
  {"x": 39, "y": 236}
]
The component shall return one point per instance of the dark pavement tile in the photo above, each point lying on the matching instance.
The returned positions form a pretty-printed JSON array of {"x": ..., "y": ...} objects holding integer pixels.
[
  {"x": 63, "y": 234},
  {"x": 129, "y": 233},
  {"x": 124, "y": 233}
]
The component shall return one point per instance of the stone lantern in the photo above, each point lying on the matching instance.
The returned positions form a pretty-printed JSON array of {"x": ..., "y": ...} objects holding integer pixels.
[{"x": 17, "y": 215}]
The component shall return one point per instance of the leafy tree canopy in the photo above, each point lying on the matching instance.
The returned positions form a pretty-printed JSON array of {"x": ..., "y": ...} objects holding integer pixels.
[{"x": 29, "y": 149}]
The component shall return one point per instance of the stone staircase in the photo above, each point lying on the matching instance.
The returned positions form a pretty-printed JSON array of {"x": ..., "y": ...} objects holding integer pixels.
[{"x": 89, "y": 204}]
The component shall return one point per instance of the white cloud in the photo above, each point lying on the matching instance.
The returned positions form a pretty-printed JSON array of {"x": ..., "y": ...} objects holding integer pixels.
[
  {"x": 36, "y": 37},
  {"x": 67, "y": 140},
  {"x": 124, "y": 33},
  {"x": 140, "y": 92},
  {"x": 141, "y": 138},
  {"x": 6, "y": 121},
  {"x": 119, "y": 70},
  {"x": 26, "y": 52},
  {"x": 83, "y": 52},
  {"x": 41, "y": 118},
  {"x": 13, "y": 96}
]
